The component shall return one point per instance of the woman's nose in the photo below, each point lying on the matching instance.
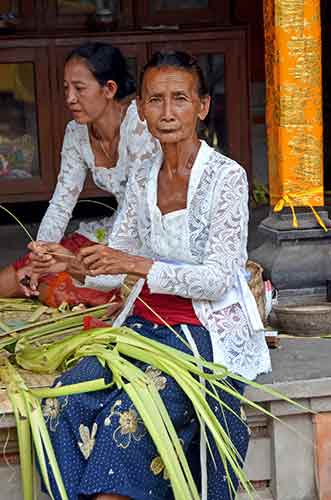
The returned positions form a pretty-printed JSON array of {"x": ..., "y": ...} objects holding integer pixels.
[
  {"x": 71, "y": 96},
  {"x": 167, "y": 110}
]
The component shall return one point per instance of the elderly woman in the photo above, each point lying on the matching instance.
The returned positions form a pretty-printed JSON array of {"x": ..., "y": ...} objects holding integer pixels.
[
  {"x": 105, "y": 138},
  {"x": 183, "y": 232}
]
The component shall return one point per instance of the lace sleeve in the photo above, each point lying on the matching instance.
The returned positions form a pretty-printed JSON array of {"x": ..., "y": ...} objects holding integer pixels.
[
  {"x": 124, "y": 237},
  {"x": 125, "y": 234},
  {"x": 225, "y": 249},
  {"x": 69, "y": 185},
  {"x": 141, "y": 145}
]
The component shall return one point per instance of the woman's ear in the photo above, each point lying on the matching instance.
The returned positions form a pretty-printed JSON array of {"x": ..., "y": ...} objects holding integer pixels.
[
  {"x": 204, "y": 107},
  {"x": 140, "y": 108},
  {"x": 110, "y": 89}
]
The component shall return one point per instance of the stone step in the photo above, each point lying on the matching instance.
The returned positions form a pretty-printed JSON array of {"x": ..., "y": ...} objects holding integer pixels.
[{"x": 264, "y": 494}]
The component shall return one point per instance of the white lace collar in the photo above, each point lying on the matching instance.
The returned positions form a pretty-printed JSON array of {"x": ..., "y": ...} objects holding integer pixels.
[{"x": 197, "y": 169}]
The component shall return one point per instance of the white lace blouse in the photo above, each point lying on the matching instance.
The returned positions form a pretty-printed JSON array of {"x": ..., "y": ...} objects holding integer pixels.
[
  {"x": 198, "y": 253},
  {"x": 77, "y": 159}
]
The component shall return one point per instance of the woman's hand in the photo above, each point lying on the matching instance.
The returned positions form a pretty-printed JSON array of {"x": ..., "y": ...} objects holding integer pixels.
[
  {"x": 99, "y": 259},
  {"x": 48, "y": 257},
  {"x": 55, "y": 258},
  {"x": 27, "y": 281}
]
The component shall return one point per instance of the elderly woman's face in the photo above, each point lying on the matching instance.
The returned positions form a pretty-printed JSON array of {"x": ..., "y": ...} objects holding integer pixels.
[
  {"x": 171, "y": 104},
  {"x": 85, "y": 97}
]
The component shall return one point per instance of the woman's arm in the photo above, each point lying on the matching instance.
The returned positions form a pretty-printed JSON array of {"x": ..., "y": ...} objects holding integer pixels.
[
  {"x": 70, "y": 183},
  {"x": 99, "y": 259},
  {"x": 224, "y": 250}
]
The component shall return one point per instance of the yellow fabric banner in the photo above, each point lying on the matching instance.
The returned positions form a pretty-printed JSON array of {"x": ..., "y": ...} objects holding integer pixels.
[{"x": 294, "y": 102}]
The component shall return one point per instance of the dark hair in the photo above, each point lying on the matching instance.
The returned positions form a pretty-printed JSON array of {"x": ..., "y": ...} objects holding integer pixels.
[
  {"x": 180, "y": 60},
  {"x": 106, "y": 63}
]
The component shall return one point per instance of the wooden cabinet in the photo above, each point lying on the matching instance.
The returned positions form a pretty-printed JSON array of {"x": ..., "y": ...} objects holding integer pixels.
[
  {"x": 181, "y": 12},
  {"x": 33, "y": 113}
]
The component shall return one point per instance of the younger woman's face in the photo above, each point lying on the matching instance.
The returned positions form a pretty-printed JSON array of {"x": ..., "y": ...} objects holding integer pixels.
[
  {"x": 171, "y": 104},
  {"x": 85, "y": 97}
]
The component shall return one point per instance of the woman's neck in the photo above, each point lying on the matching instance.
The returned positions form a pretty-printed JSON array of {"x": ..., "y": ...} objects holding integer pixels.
[
  {"x": 108, "y": 124},
  {"x": 179, "y": 157}
]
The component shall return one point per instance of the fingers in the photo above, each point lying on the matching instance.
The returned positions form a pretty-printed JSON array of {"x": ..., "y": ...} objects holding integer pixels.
[
  {"x": 42, "y": 264},
  {"x": 39, "y": 256},
  {"x": 93, "y": 249},
  {"x": 100, "y": 269},
  {"x": 99, "y": 259},
  {"x": 93, "y": 256},
  {"x": 49, "y": 257},
  {"x": 38, "y": 247},
  {"x": 27, "y": 281},
  {"x": 59, "y": 251}
]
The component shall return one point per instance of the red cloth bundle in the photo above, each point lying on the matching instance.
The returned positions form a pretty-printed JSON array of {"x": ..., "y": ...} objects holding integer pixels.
[{"x": 57, "y": 288}]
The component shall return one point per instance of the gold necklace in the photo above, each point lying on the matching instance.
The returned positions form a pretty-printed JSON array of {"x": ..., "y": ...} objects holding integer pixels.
[{"x": 111, "y": 155}]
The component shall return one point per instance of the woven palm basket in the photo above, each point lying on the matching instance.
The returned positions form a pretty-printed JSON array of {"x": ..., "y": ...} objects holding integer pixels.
[{"x": 256, "y": 285}]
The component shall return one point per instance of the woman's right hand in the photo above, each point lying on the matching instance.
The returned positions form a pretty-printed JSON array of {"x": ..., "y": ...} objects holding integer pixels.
[
  {"x": 27, "y": 281},
  {"x": 48, "y": 257},
  {"x": 54, "y": 258}
]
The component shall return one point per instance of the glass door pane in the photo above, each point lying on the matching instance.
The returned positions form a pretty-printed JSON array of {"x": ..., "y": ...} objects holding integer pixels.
[
  {"x": 157, "y": 5},
  {"x": 213, "y": 129},
  {"x": 19, "y": 158},
  {"x": 86, "y": 6},
  {"x": 76, "y": 7},
  {"x": 7, "y": 6},
  {"x": 182, "y": 12},
  {"x": 17, "y": 15}
]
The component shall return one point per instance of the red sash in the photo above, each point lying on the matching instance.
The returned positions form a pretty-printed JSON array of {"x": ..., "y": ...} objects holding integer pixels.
[{"x": 172, "y": 308}]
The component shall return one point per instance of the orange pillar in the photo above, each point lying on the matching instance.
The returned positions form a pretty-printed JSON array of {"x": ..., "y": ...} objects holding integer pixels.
[{"x": 294, "y": 102}]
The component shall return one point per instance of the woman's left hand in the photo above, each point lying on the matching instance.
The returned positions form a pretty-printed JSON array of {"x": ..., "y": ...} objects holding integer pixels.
[{"x": 100, "y": 259}]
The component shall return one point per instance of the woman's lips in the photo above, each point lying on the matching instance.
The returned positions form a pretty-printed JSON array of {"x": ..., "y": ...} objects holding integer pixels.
[{"x": 167, "y": 130}]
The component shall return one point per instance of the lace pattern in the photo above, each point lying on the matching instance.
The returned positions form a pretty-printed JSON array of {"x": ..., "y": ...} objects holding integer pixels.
[
  {"x": 214, "y": 251},
  {"x": 77, "y": 159}
]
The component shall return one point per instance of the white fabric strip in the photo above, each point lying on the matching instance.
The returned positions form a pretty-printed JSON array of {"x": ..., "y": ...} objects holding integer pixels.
[
  {"x": 203, "y": 443},
  {"x": 135, "y": 291}
]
